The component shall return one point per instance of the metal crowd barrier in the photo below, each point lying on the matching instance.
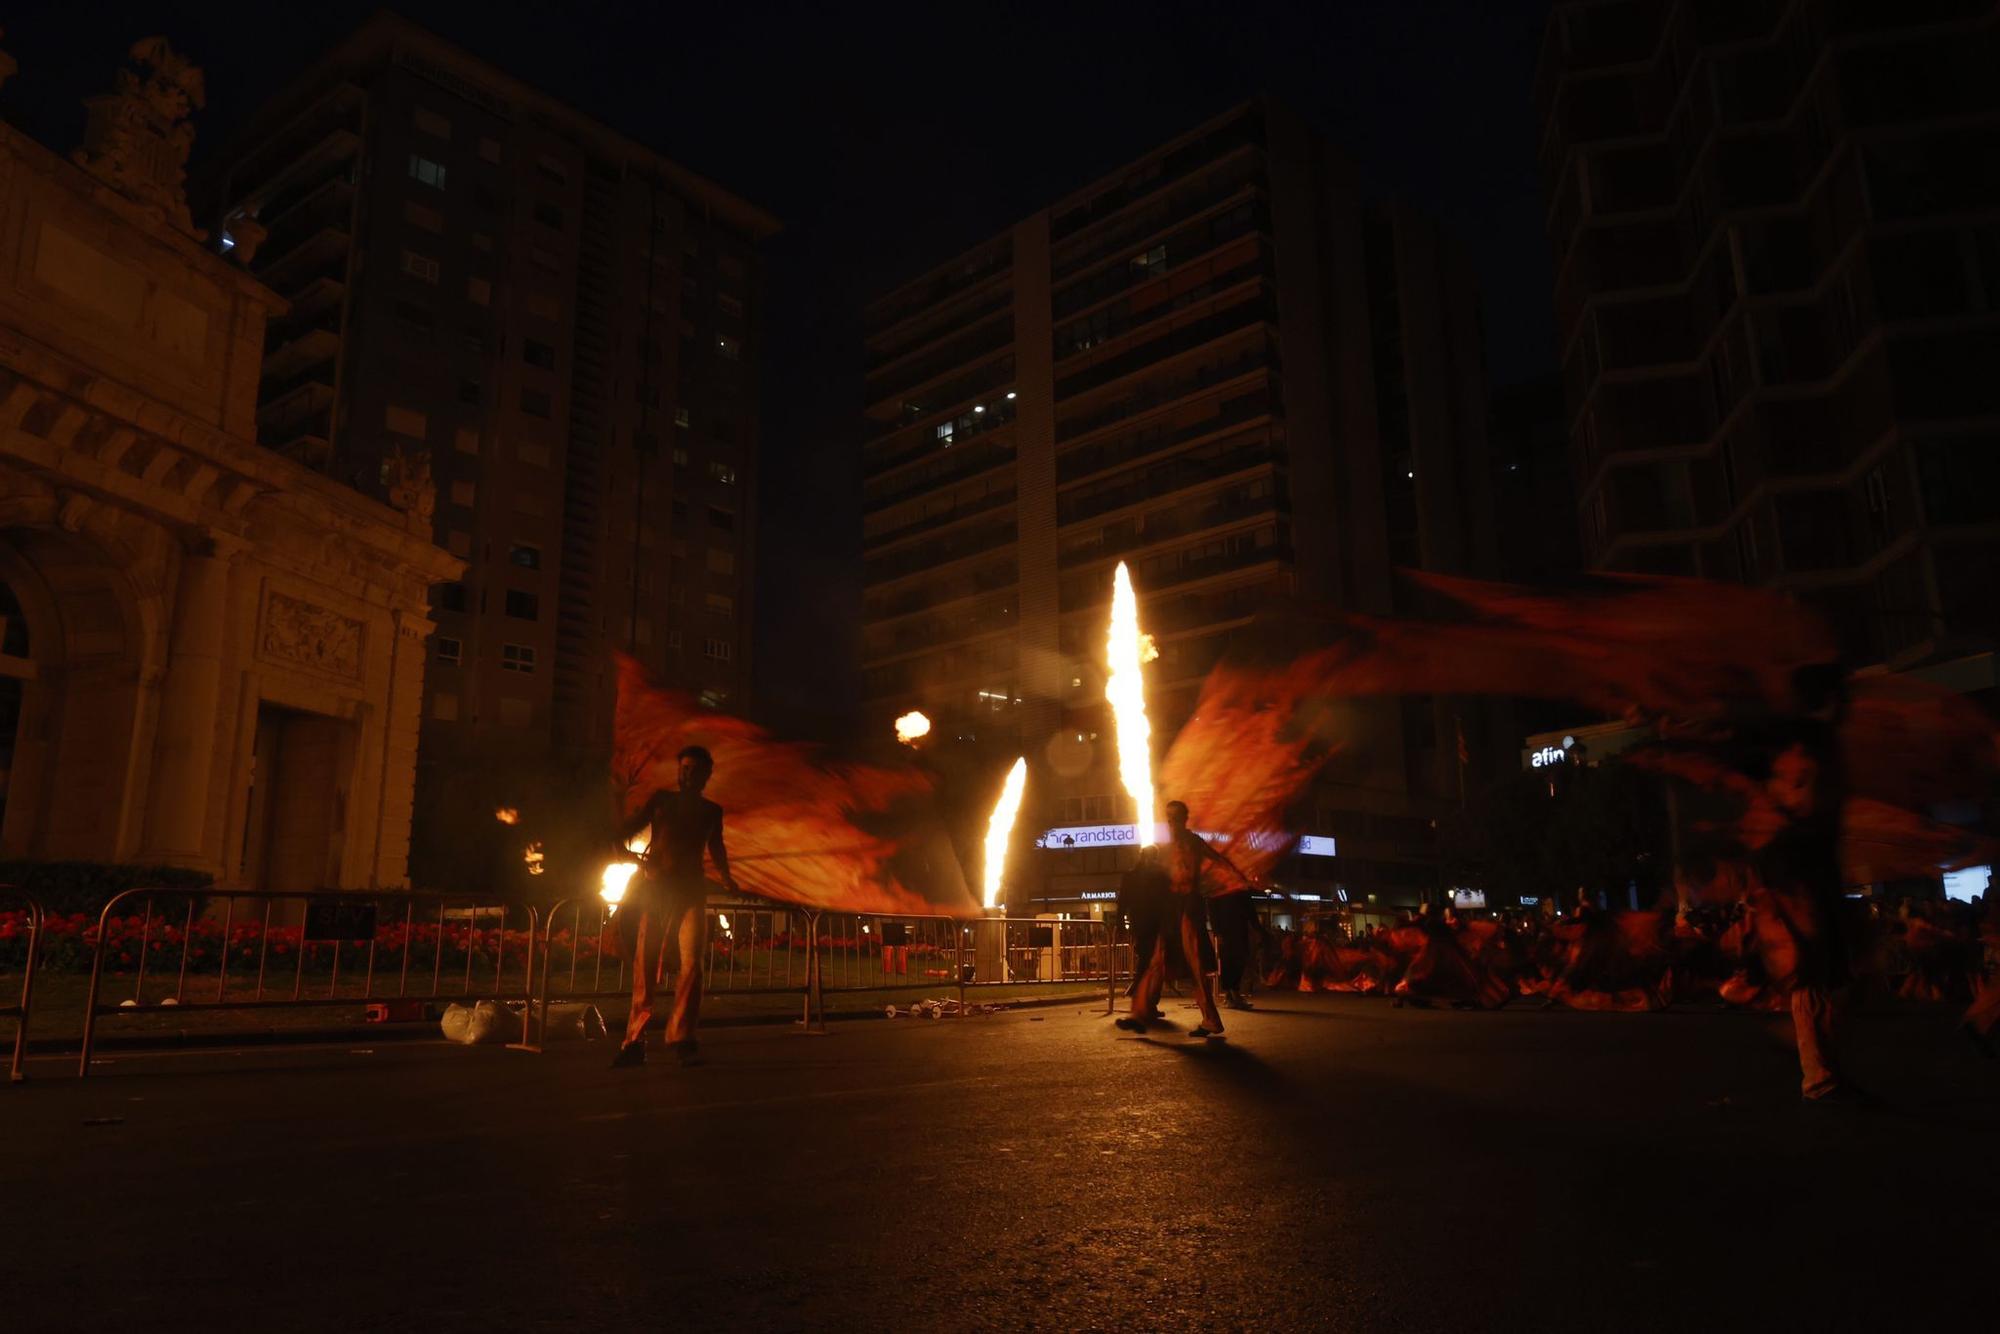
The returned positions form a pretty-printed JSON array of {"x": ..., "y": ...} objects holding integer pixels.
[
  {"x": 20, "y": 1010},
  {"x": 759, "y": 949},
  {"x": 405, "y": 946}
]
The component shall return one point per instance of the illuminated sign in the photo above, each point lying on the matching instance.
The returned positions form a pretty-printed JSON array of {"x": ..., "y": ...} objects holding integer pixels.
[
  {"x": 1098, "y": 894},
  {"x": 1071, "y": 837},
  {"x": 1547, "y": 755},
  {"x": 1968, "y": 884},
  {"x": 1468, "y": 898}
]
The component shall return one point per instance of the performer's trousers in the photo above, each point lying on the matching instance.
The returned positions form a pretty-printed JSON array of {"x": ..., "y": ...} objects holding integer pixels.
[
  {"x": 1188, "y": 925},
  {"x": 1230, "y": 916},
  {"x": 673, "y": 924},
  {"x": 1817, "y": 1014}
]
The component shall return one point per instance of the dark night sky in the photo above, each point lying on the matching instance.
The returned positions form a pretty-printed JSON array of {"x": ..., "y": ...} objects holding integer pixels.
[{"x": 887, "y": 138}]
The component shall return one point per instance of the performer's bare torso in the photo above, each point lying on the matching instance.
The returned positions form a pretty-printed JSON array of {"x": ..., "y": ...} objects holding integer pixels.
[{"x": 684, "y": 826}]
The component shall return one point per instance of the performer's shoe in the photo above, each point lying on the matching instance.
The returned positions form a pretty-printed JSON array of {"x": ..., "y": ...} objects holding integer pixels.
[
  {"x": 1235, "y": 1000},
  {"x": 1199, "y": 1032},
  {"x": 1130, "y": 1024},
  {"x": 629, "y": 1055}
]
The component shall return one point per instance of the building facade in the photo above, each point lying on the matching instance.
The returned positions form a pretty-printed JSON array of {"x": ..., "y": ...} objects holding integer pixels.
[
  {"x": 1221, "y": 366},
  {"x": 1776, "y": 230},
  {"x": 210, "y": 656},
  {"x": 567, "y": 325}
]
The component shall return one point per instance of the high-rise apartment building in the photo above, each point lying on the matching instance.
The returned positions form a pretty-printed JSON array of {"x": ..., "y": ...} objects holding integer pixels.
[
  {"x": 1776, "y": 228},
  {"x": 567, "y": 324},
  {"x": 1223, "y": 367}
]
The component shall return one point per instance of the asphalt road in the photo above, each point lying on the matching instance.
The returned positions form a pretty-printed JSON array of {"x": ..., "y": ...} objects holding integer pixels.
[{"x": 1337, "y": 1164}]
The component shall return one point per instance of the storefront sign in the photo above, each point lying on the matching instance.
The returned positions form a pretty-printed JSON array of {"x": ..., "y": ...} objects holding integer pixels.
[{"x": 1069, "y": 837}]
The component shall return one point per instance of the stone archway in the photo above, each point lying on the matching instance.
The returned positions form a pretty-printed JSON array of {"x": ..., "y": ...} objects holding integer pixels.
[{"x": 75, "y": 641}]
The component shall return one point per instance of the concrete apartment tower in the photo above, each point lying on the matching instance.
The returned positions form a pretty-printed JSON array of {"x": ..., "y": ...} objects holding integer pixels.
[
  {"x": 1776, "y": 229},
  {"x": 1223, "y": 366},
  {"x": 562, "y": 327}
]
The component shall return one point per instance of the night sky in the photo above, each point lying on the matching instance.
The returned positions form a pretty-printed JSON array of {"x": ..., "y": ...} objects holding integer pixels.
[{"x": 889, "y": 137}]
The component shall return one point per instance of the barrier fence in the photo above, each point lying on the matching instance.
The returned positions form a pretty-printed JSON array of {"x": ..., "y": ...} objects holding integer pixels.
[
  {"x": 288, "y": 951},
  {"x": 755, "y": 949},
  {"x": 250, "y": 951},
  {"x": 20, "y": 1010}
]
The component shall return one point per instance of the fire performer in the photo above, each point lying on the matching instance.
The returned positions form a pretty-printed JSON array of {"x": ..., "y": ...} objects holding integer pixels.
[
  {"x": 1188, "y": 855},
  {"x": 669, "y": 894},
  {"x": 1799, "y": 861}
]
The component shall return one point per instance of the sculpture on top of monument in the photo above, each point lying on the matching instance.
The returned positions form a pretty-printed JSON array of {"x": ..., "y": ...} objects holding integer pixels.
[
  {"x": 137, "y": 138},
  {"x": 411, "y": 490}
]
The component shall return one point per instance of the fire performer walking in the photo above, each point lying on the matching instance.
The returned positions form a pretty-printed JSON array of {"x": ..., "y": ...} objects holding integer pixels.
[
  {"x": 1188, "y": 853},
  {"x": 669, "y": 894}
]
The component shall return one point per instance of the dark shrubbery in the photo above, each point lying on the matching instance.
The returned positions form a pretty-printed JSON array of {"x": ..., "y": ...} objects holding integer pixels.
[{"x": 85, "y": 887}]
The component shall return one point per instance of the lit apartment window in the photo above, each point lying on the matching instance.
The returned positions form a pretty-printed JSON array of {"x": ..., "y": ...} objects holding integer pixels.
[
  {"x": 444, "y": 706},
  {"x": 427, "y": 218},
  {"x": 429, "y": 172},
  {"x": 526, "y": 555},
  {"x": 531, "y": 453},
  {"x": 722, "y": 472},
  {"x": 517, "y": 658},
  {"x": 464, "y": 493},
  {"x": 535, "y": 403},
  {"x": 944, "y": 431},
  {"x": 680, "y": 416},
  {"x": 466, "y": 440},
  {"x": 537, "y": 353},
  {"x": 721, "y": 604},
  {"x": 713, "y": 699},
  {"x": 449, "y": 651},
  {"x": 728, "y": 347},
  {"x": 421, "y": 267},
  {"x": 523, "y": 606},
  {"x": 431, "y": 123},
  {"x": 718, "y": 650},
  {"x": 1151, "y": 261},
  {"x": 720, "y": 561},
  {"x": 406, "y": 421},
  {"x": 680, "y": 458}
]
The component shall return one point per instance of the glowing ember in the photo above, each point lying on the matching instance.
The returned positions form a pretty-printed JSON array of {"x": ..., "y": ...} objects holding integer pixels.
[
  {"x": 532, "y": 855},
  {"x": 911, "y": 726},
  {"x": 1000, "y": 827},
  {"x": 507, "y": 815},
  {"x": 617, "y": 879},
  {"x": 1126, "y": 651}
]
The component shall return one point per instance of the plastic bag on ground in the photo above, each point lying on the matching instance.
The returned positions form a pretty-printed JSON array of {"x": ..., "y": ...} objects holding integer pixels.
[{"x": 485, "y": 1021}]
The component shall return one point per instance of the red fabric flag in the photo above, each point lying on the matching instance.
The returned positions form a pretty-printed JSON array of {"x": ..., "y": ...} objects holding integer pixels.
[{"x": 800, "y": 828}]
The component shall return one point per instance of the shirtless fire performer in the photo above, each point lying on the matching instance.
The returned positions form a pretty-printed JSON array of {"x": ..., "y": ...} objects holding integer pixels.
[
  {"x": 1188, "y": 854},
  {"x": 669, "y": 894}
]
